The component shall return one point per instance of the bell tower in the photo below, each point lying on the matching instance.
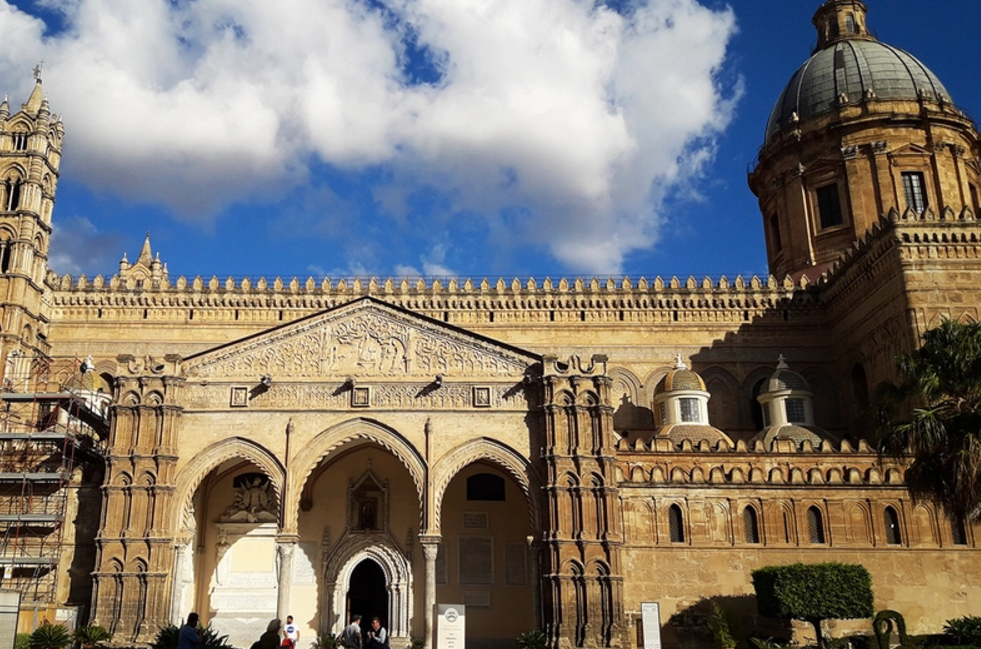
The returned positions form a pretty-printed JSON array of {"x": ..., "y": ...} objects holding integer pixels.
[{"x": 30, "y": 154}]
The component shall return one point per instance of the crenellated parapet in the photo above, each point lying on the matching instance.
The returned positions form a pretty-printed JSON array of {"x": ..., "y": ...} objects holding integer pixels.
[
  {"x": 465, "y": 301},
  {"x": 661, "y": 462}
]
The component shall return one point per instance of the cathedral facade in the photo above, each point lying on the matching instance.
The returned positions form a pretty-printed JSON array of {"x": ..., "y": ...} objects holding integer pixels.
[{"x": 551, "y": 454}]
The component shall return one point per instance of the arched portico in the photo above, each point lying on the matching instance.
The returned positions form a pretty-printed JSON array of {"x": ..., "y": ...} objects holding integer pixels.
[
  {"x": 339, "y": 567},
  {"x": 494, "y": 452},
  {"x": 362, "y": 430},
  {"x": 191, "y": 476},
  {"x": 223, "y": 463}
]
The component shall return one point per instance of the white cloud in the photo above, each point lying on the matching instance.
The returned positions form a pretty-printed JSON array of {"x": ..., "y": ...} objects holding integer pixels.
[
  {"x": 78, "y": 244},
  {"x": 574, "y": 116}
]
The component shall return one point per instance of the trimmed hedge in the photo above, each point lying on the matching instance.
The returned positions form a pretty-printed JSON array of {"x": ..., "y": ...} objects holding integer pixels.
[
  {"x": 817, "y": 591},
  {"x": 814, "y": 592}
]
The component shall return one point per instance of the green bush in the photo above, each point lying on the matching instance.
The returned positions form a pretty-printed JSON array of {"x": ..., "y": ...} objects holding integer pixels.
[
  {"x": 814, "y": 592},
  {"x": 885, "y": 624},
  {"x": 22, "y": 641},
  {"x": 722, "y": 624},
  {"x": 532, "y": 640},
  {"x": 772, "y": 643},
  {"x": 50, "y": 636},
  {"x": 963, "y": 630},
  {"x": 91, "y": 636},
  {"x": 168, "y": 636},
  {"x": 325, "y": 641}
]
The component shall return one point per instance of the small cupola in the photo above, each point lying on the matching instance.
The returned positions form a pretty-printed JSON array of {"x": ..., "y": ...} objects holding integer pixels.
[
  {"x": 681, "y": 408},
  {"x": 839, "y": 20},
  {"x": 788, "y": 409}
]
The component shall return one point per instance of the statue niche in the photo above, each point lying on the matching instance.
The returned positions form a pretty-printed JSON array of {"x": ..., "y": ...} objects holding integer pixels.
[{"x": 367, "y": 507}]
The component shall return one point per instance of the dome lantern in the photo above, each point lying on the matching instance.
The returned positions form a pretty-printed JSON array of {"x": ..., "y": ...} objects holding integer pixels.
[
  {"x": 839, "y": 20},
  {"x": 681, "y": 408},
  {"x": 788, "y": 408}
]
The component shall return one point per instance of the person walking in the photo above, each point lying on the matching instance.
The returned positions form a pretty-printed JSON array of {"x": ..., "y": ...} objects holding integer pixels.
[
  {"x": 351, "y": 635},
  {"x": 190, "y": 635}
]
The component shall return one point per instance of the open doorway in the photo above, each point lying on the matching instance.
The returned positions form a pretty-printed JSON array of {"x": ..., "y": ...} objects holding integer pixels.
[{"x": 367, "y": 594}]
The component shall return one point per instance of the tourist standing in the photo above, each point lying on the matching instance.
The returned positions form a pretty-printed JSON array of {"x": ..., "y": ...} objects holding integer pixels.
[
  {"x": 351, "y": 635},
  {"x": 270, "y": 639},
  {"x": 189, "y": 636},
  {"x": 378, "y": 635},
  {"x": 291, "y": 632}
]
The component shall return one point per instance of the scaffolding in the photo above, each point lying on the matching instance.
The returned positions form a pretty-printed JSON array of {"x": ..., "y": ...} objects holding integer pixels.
[{"x": 54, "y": 421}]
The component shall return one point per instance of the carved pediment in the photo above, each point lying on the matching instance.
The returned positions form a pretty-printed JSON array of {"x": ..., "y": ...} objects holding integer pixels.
[{"x": 363, "y": 339}]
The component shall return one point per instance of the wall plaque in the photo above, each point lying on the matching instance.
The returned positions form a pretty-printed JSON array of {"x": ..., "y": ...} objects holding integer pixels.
[
  {"x": 476, "y": 560},
  {"x": 516, "y": 564},
  {"x": 477, "y": 598},
  {"x": 239, "y": 397},
  {"x": 476, "y": 520},
  {"x": 651, "y": 614},
  {"x": 481, "y": 397},
  {"x": 360, "y": 397}
]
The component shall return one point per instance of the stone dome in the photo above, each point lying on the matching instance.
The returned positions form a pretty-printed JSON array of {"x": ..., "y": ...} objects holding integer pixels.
[
  {"x": 786, "y": 379},
  {"x": 679, "y": 378},
  {"x": 850, "y": 69},
  {"x": 89, "y": 381},
  {"x": 696, "y": 434},
  {"x": 796, "y": 433}
]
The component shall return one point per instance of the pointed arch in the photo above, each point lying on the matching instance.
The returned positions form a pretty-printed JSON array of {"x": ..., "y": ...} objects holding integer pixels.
[
  {"x": 191, "y": 476},
  {"x": 359, "y": 430},
  {"x": 493, "y": 451},
  {"x": 339, "y": 566}
]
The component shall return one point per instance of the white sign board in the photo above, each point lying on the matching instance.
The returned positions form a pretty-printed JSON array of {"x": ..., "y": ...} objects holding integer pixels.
[
  {"x": 451, "y": 626},
  {"x": 9, "y": 612},
  {"x": 650, "y": 613}
]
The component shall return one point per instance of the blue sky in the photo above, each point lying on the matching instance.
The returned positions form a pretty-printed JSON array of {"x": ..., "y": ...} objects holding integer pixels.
[{"x": 434, "y": 137}]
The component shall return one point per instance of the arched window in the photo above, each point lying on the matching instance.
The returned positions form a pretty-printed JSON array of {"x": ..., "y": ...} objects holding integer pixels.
[
  {"x": 19, "y": 140},
  {"x": 891, "y": 519},
  {"x": 815, "y": 525},
  {"x": 849, "y": 24},
  {"x": 6, "y": 250},
  {"x": 958, "y": 533},
  {"x": 775, "y": 233},
  {"x": 833, "y": 30},
  {"x": 751, "y": 526},
  {"x": 12, "y": 188},
  {"x": 676, "y": 524}
]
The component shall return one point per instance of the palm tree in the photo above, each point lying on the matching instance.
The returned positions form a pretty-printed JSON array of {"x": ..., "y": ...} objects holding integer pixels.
[{"x": 933, "y": 417}]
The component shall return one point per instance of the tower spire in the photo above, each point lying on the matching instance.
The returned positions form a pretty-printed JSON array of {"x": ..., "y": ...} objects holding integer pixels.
[{"x": 146, "y": 254}]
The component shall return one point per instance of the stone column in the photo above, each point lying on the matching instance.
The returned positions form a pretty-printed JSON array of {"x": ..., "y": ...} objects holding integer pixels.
[
  {"x": 430, "y": 548},
  {"x": 285, "y": 547}
]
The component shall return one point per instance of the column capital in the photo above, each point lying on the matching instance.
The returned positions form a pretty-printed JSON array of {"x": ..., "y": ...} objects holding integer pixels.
[
  {"x": 430, "y": 539},
  {"x": 286, "y": 537}
]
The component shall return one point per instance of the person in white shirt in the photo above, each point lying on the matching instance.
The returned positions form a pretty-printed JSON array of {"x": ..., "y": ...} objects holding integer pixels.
[
  {"x": 291, "y": 632},
  {"x": 377, "y": 636}
]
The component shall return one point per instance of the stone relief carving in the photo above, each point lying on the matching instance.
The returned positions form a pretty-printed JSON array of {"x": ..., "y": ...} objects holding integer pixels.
[
  {"x": 371, "y": 341},
  {"x": 300, "y": 396},
  {"x": 255, "y": 502}
]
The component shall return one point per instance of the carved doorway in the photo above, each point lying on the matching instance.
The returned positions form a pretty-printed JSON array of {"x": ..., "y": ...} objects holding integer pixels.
[
  {"x": 369, "y": 575},
  {"x": 367, "y": 594}
]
